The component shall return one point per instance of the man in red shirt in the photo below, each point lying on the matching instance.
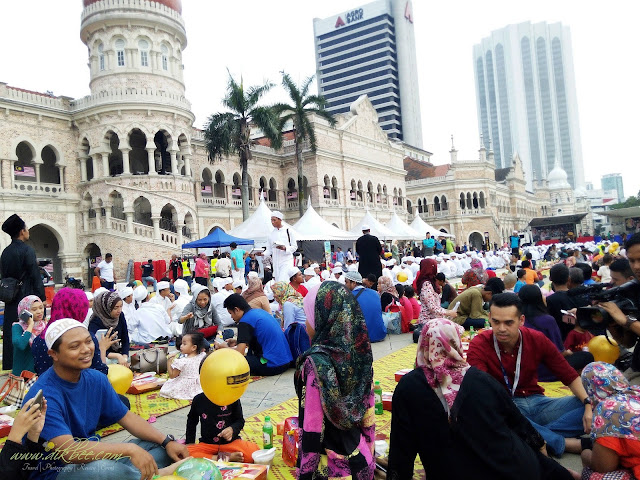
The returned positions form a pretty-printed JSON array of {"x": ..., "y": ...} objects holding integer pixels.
[
  {"x": 511, "y": 354},
  {"x": 296, "y": 280}
]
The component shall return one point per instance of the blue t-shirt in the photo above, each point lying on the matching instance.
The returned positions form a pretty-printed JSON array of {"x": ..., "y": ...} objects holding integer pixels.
[
  {"x": 429, "y": 242},
  {"x": 519, "y": 284},
  {"x": 262, "y": 333},
  {"x": 515, "y": 241},
  {"x": 238, "y": 254},
  {"x": 340, "y": 256},
  {"x": 369, "y": 302},
  {"x": 75, "y": 408}
]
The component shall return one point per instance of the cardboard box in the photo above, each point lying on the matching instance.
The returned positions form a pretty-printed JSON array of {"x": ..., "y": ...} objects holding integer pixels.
[
  {"x": 146, "y": 382},
  {"x": 386, "y": 400},
  {"x": 231, "y": 470},
  {"x": 401, "y": 373}
]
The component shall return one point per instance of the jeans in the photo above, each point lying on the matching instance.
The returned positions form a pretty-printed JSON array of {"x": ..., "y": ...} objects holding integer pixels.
[
  {"x": 121, "y": 469},
  {"x": 146, "y": 280},
  {"x": 473, "y": 322},
  {"x": 553, "y": 418},
  {"x": 261, "y": 369},
  {"x": 188, "y": 279},
  {"x": 107, "y": 285}
]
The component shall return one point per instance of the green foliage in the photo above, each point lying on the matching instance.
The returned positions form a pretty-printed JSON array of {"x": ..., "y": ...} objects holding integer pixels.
[{"x": 629, "y": 202}]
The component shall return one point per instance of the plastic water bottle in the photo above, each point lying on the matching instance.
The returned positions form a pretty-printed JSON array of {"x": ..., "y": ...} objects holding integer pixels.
[
  {"x": 487, "y": 325},
  {"x": 377, "y": 395},
  {"x": 267, "y": 433},
  {"x": 472, "y": 332}
]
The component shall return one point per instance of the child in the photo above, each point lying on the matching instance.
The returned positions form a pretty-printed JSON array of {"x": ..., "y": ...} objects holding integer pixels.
[
  {"x": 521, "y": 282},
  {"x": 604, "y": 272},
  {"x": 220, "y": 428},
  {"x": 184, "y": 377},
  {"x": 577, "y": 339},
  {"x": 24, "y": 331},
  {"x": 410, "y": 293}
]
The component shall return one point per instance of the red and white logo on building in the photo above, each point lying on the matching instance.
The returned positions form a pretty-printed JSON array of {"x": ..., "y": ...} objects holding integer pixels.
[{"x": 339, "y": 22}]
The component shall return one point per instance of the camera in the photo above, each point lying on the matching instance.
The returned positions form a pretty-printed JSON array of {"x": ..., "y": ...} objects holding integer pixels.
[{"x": 595, "y": 318}]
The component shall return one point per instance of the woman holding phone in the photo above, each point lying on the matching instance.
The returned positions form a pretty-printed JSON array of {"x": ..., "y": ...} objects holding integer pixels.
[{"x": 29, "y": 325}]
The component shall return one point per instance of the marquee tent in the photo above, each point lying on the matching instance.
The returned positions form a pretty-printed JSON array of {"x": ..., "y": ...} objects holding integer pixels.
[
  {"x": 377, "y": 228},
  {"x": 423, "y": 227},
  {"x": 401, "y": 229},
  {"x": 217, "y": 239},
  {"x": 312, "y": 226},
  {"x": 258, "y": 226}
]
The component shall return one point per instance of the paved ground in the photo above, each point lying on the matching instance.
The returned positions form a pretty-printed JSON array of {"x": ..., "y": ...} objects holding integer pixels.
[{"x": 271, "y": 391}]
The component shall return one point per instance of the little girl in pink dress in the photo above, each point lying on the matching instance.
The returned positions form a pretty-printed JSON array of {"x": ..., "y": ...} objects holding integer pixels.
[{"x": 184, "y": 376}]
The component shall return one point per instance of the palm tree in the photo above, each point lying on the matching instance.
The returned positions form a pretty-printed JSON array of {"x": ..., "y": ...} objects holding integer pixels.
[
  {"x": 299, "y": 112},
  {"x": 230, "y": 132}
]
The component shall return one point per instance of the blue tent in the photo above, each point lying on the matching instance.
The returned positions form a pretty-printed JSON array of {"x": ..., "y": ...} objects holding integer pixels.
[{"x": 217, "y": 239}]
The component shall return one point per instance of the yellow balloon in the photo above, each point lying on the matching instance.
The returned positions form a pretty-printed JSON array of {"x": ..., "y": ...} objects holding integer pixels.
[
  {"x": 137, "y": 283},
  {"x": 602, "y": 350},
  {"x": 120, "y": 378},
  {"x": 224, "y": 376},
  {"x": 402, "y": 277},
  {"x": 387, "y": 254}
]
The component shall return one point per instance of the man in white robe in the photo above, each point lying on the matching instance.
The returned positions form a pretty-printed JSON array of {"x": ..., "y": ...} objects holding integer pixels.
[
  {"x": 151, "y": 321},
  {"x": 223, "y": 287},
  {"x": 280, "y": 247},
  {"x": 310, "y": 278}
]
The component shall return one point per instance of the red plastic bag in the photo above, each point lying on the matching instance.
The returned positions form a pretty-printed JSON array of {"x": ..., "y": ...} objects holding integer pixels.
[{"x": 290, "y": 438}]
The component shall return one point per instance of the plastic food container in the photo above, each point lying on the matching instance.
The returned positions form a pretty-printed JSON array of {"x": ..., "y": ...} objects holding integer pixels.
[{"x": 264, "y": 457}]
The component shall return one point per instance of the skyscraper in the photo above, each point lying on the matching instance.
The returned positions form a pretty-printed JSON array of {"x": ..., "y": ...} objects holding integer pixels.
[
  {"x": 526, "y": 99},
  {"x": 371, "y": 50},
  {"x": 613, "y": 181}
]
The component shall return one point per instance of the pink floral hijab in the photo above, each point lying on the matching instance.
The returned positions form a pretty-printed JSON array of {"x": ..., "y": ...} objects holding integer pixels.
[
  {"x": 441, "y": 359},
  {"x": 25, "y": 305}
]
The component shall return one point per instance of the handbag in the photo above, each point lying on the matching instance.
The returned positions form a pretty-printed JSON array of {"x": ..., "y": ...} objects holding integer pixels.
[
  {"x": 9, "y": 288},
  {"x": 16, "y": 387},
  {"x": 392, "y": 318},
  {"x": 150, "y": 360}
]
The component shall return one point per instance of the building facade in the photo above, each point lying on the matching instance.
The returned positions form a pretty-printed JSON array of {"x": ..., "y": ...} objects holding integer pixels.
[
  {"x": 613, "y": 181},
  {"x": 526, "y": 99},
  {"x": 371, "y": 50}
]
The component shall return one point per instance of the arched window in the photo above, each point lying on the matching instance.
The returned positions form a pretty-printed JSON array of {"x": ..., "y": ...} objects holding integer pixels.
[
  {"x": 370, "y": 192},
  {"x": 443, "y": 203},
  {"x": 218, "y": 187},
  {"x": 101, "y": 57},
  {"x": 235, "y": 192},
  {"x": 419, "y": 206},
  {"x": 409, "y": 208},
  {"x": 468, "y": 201},
  {"x": 273, "y": 192},
  {"x": 360, "y": 193},
  {"x": 49, "y": 172},
  {"x": 120, "y": 52},
  {"x": 462, "y": 202},
  {"x": 436, "y": 204},
  {"x": 352, "y": 192},
  {"x": 143, "y": 46},
  {"x": 263, "y": 188},
  {"x": 206, "y": 189},
  {"x": 482, "y": 202},
  {"x": 475, "y": 200},
  {"x": 326, "y": 189},
  {"x": 165, "y": 57},
  {"x": 334, "y": 188}
]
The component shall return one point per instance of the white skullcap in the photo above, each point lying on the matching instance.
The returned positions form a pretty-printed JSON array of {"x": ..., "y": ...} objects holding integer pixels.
[
  {"x": 365, "y": 227},
  {"x": 352, "y": 268},
  {"x": 238, "y": 283},
  {"x": 337, "y": 264},
  {"x": 291, "y": 271},
  {"x": 125, "y": 292},
  {"x": 252, "y": 275},
  {"x": 309, "y": 271},
  {"x": 314, "y": 265},
  {"x": 89, "y": 295},
  {"x": 181, "y": 286},
  {"x": 227, "y": 281},
  {"x": 325, "y": 274},
  {"x": 99, "y": 291},
  {"x": 163, "y": 285},
  {"x": 277, "y": 214},
  {"x": 140, "y": 293},
  {"x": 447, "y": 257},
  {"x": 59, "y": 327},
  {"x": 337, "y": 270}
]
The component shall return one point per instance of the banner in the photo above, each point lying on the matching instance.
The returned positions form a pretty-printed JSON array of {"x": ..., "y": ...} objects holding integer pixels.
[
  {"x": 206, "y": 189},
  {"x": 292, "y": 195},
  {"x": 22, "y": 171}
]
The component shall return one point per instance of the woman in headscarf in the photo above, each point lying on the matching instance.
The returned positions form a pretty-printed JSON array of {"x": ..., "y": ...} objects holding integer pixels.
[
  {"x": 29, "y": 326},
  {"x": 387, "y": 291},
  {"x": 462, "y": 409},
  {"x": 70, "y": 303},
  {"x": 107, "y": 315},
  {"x": 293, "y": 316},
  {"x": 536, "y": 317},
  {"x": 476, "y": 275},
  {"x": 333, "y": 381},
  {"x": 202, "y": 269},
  {"x": 428, "y": 291},
  {"x": 200, "y": 316},
  {"x": 615, "y": 427},
  {"x": 255, "y": 296}
]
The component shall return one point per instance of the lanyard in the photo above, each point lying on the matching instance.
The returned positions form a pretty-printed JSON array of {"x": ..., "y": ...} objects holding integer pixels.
[{"x": 516, "y": 378}]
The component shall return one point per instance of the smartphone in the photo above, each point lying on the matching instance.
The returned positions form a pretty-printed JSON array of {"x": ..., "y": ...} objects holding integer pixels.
[
  {"x": 26, "y": 316},
  {"x": 38, "y": 399},
  {"x": 455, "y": 307},
  {"x": 101, "y": 333}
]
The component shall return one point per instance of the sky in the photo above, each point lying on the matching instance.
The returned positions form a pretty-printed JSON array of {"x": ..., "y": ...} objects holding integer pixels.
[{"x": 255, "y": 39}]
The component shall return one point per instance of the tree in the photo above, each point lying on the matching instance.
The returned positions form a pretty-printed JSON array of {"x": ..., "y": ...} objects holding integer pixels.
[
  {"x": 629, "y": 202},
  {"x": 230, "y": 132},
  {"x": 299, "y": 111}
]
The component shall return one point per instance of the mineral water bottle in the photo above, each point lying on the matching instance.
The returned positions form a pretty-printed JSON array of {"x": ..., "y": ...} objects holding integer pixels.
[
  {"x": 472, "y": 332},
  {"x": 487, "y": 325},
  {"x": 267, "y": 433},
  {"x": 377, "y": 394}
]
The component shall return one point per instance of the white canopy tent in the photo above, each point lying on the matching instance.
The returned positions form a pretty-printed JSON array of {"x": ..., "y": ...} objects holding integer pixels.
[
  {"x": 423, "y": 227},
  {"x": 258, "y": 226},
  {"x": 377, "y": 228},
  {"x": 401, "y": 229},
  {"x": 312, "y": 226}
]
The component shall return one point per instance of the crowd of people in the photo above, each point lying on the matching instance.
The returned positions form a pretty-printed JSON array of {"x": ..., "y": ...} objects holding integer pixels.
[{"x": 321, "y": 319}]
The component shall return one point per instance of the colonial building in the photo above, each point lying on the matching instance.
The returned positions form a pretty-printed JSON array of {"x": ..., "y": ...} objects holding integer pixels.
[{"x": 124, "y": 171}]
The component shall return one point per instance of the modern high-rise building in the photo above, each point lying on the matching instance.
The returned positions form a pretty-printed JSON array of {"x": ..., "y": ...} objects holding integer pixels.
[
  {"x": 526, "y": 99},
  {"x": 371, "y": 50},
  {"x": 613, "y": 181}
]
